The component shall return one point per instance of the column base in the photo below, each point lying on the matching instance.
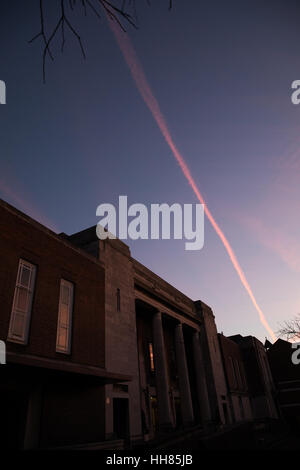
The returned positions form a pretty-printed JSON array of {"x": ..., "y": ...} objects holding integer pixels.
[
  {"x": 166, "y": 427},
  {"x": 188, "y": 424}
]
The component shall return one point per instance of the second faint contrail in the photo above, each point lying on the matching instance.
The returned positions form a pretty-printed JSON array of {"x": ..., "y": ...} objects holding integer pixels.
[{"x": 146, "y": 93}]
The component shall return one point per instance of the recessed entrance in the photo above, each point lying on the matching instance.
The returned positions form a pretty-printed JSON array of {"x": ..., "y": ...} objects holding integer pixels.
[{"x": 121, "y": 418}]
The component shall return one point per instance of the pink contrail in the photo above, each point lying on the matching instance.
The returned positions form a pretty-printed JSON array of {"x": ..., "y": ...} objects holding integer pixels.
[{"x": 150, "y": 100}]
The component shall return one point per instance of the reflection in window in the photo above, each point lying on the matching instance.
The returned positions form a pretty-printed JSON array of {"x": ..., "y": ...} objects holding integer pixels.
[
  {"x": 63, "y": 338},
  {"x": 22, "y": 303},
  {"x": 151, "y": 357}
]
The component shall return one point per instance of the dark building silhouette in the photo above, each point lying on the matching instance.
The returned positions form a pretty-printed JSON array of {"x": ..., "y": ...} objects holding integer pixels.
[
  {"x": 287, "y": 379},
  {"x": 236, "y": 380},
  {"x": 259, "y": 377}
]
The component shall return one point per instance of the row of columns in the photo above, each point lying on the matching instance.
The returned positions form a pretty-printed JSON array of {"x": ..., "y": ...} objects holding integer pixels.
[{"x": 162, "y": 382}]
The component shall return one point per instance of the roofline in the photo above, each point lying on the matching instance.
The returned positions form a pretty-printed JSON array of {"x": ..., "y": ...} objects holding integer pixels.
[{"x": 58, "y": 237}]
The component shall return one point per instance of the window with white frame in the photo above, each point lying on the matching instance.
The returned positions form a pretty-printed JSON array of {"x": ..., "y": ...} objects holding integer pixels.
[
  {"x": 64, "y": 323},
  {"x": 22, "y": 303}
]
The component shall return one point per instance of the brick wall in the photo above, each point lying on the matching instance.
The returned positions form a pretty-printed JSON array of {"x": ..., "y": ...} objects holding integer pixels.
[{"x": 21, "y": 237}]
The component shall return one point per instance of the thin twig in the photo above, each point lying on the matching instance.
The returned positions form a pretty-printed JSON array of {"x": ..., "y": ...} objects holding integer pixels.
[
  {"x": 42, "y": 32},
  {"x": 291, "y": 329},
  {"x": 93, "y": 8},
  {"x": 110, "y": 9}
]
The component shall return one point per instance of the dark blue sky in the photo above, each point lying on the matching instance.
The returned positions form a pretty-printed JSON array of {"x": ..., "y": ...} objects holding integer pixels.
[{"x": 222, "y": 73}]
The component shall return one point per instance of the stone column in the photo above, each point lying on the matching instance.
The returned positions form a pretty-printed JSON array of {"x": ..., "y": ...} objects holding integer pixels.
[
  {"x": 161, "y": 374},
  {"x": 184, "y": 381},
  {"x": 201, "y": 380}
]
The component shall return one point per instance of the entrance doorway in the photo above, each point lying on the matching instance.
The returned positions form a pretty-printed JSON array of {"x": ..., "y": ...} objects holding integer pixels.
[
  {"x": 121, "y": 418},
  {"x": 154, "y": 414},
  {"x": 178, "y": 412},
  {"x": 225, "y": 411}
]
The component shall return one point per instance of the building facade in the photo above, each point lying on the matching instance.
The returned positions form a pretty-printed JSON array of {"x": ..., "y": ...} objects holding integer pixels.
[
  {"x": 236, "y": 380},
  {"x": 52, "y": 320},
  {"x": 164, "y": 340},
  {"x": 259, "y": 377},
  {"x": 286, "y": 373},
  {"x": 101, "y": 349}
]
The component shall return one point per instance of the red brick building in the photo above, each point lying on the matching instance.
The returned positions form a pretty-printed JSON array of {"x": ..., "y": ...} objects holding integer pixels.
[{"x": 52, "y": 387}]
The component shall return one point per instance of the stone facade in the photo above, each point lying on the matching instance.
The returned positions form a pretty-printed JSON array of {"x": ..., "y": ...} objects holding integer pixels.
[
  {"x": 217, "y": 388},
  {"x": 259, "y": 377},
  {"x": 153, "y": 314},
  {"x": 236, "y": 379}
]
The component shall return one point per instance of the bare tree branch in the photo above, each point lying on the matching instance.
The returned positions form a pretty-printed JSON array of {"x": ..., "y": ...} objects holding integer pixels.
[
  {"x": 114, "y": 11},
  {"x": 46, "y": 49},
  {"x": 42, "y": 32},
  {"x": 93, "y": 8},
  {"x": 118, "y": 14},
  {"x": 84, "y": 6},
  {"x": 290, "y": 329}
]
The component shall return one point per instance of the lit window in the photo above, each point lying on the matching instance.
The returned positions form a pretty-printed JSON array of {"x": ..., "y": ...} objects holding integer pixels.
[
  {"x": 22, "y": 303},
  {"x": 63, "y": 339},
  {"x": 151, "y": 357}
]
